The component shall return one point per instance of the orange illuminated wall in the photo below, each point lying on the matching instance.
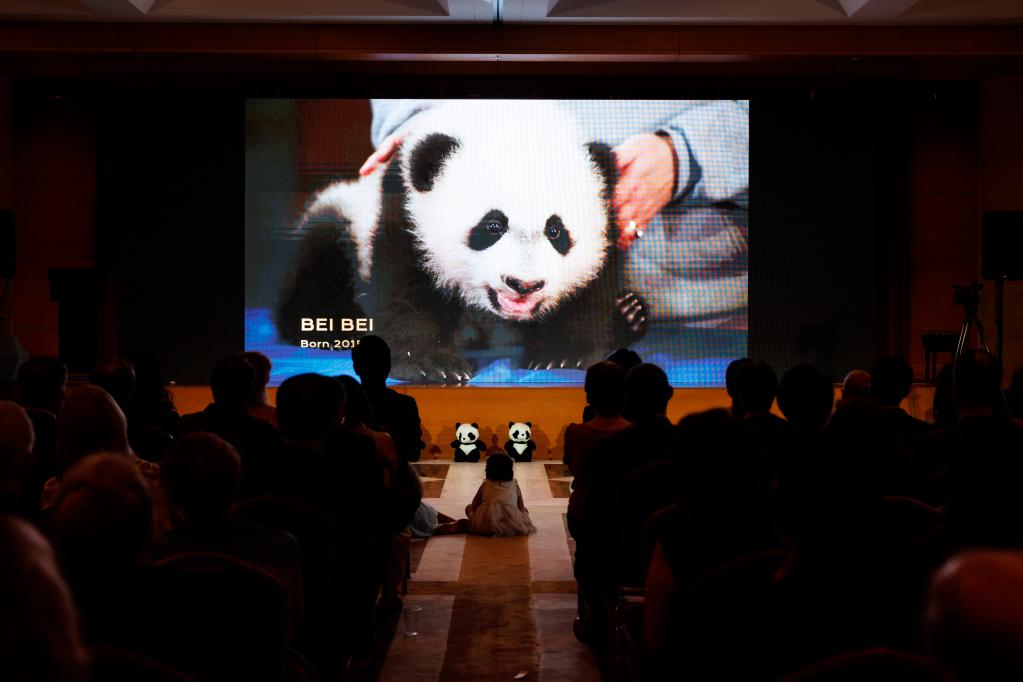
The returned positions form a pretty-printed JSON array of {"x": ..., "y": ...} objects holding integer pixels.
[{"x": 53, "y": 165}]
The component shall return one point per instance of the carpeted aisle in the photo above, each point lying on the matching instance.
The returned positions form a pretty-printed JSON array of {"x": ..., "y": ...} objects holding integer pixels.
[{"x": 493, "y": 608}]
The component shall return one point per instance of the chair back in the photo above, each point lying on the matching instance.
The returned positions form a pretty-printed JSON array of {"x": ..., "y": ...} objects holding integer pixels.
[{"x": 219, "y": 618}]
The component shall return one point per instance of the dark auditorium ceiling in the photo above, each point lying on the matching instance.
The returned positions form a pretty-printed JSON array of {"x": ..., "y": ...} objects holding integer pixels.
[{"x": 741, "y": 12}]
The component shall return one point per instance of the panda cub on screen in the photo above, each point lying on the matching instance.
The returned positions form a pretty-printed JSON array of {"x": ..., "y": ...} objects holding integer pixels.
[
  {"x": 467, "y": 445},
  {"x": 491, "y": 225},
  {"x": 520, "y": 443}
]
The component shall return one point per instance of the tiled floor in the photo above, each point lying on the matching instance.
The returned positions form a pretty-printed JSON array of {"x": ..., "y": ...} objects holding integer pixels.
[{"x": 494, "y": 608}]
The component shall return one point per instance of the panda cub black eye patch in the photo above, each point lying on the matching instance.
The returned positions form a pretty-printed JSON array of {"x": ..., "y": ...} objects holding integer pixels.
[
  {"x": 557, "y": 234},
  {"x": 488, "y": 230}
]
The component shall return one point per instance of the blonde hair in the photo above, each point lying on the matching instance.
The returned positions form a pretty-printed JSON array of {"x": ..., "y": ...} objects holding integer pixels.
[{"x": 90, "y": 421}]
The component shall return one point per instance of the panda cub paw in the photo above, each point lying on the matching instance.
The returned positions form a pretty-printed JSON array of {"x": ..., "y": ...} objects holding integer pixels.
[
  {"x": 442, "y": 367},
  {"x": 631, "y": 317}
]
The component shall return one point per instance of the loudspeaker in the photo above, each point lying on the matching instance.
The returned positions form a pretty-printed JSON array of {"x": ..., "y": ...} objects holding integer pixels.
[
  {"x": 6, "y": 243},
  {"x": 1001, "y": 245}
]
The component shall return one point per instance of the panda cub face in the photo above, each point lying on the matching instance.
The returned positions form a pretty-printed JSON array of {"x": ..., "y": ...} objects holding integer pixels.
[
  {"x": 520, "y": 432},
  {"x": 467, "y": 433},
  {"x": 508, "y": 204}
]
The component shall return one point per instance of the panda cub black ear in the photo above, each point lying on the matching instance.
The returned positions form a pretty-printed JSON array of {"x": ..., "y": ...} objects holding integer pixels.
[
  {"x": 529, "y": 424},
  {"x": 475, "y": 425},
  {"x": 457, "y": 424},
  {"x": 427, "y": 158},
  {"x": 604, "y": 159}
]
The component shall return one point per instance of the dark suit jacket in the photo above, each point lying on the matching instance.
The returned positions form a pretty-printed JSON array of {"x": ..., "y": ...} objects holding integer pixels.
[
  {"x": 398, "y": 415},
  {"x": 257, "y": 442}
]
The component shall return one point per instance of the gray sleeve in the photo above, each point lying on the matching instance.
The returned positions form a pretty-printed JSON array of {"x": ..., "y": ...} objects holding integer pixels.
[
  {"x": 389, "y": 115},
  {"x": 711, "y": 143}
]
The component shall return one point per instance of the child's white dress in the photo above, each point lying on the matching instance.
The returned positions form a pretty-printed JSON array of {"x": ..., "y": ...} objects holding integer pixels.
[{"x": 499, "y": 514}]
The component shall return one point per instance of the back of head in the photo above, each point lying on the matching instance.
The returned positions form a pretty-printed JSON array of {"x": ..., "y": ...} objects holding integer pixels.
[
  {"x": 372, "y": 359},
  {"x": 626, "y": 358},
  {"x": 973, "y": 623},
  {"x": 41, "y": 383},
  {"x": 647, "y": 391},
  {"x": 356, "y": 403},
  {"x": 201, "y": 474},
  {"x": 856, "y": 386},
  {"x": 715, "y": 460},
  {"x": 309, "y": 406},
  {"x": 500, "y": 467},
  {"x": 890, "y": 381},
  {"x": 977, "y": 380},
  {"x": 605, "y": 388},
  {"x": 16, "y": 440},
  {"x": 89, "y": 422},
  {"x": 39, "y": 637},
  {"x": 731, "y": 371},
  {"x": 805, "y": 397},
  {"x": 148, "y": 376},
  {"x": 756, "y": 385},
  {"x": 102, "y": 519},
  {"x": 261, "y": 366},
  {"x": 116, "y": 376},
  {"x": 231, "y": 381}
]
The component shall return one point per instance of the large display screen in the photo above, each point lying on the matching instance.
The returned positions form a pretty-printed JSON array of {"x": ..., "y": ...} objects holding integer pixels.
[{"x": 497, "y": 241}]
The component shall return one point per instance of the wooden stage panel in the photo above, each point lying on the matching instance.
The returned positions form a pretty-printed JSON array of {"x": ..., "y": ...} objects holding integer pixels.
[{"x": 551, "y": 409}]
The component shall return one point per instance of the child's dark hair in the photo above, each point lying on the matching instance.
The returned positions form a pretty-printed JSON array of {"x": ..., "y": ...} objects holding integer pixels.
[{"x": 500, "y": 467}]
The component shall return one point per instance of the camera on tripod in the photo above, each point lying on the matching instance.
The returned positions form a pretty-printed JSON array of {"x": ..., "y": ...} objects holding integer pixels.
[{"x": 968, "y": 296}]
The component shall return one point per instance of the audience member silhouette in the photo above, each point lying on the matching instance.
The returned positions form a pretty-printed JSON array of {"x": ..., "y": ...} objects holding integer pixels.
[
  {"x": 891, "y": 381},
  {"x": 733, "y": 368},
  {"x": 256, "y": 441},
  {"x": 258, "y": 405},
  {"x": 358, "y": 413},
  {"x": 91, "y": 422},
  {"x": 39, "y": 632},
  {"x": 117, "y": 377},
  {"x": 982, "y": 456},
  {"x": 16, "y": 441},
  {"x": 805, "y": 397},
  {"x": 337, "y": 472},
  {"x": 974, "y": 617},
  {"x": 152, "y": 403},
  {"x": 41, "y": 388},
  {"x": 855, "y": 388},
  {"x": 755, "y": 387},
  {"x": 722, "y": 516},
  {"x": 597, "y": 533},
  {"x": 393, "y": 412},
  {"x": 201, "y": 475},
  {"x": 102, "y": 528},
  {"x": 624, "y": 358}
]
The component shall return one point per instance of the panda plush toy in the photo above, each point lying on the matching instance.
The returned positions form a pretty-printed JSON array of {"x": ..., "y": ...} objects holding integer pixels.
[
  {"x": 467, "y": 445},
  {"x": 492, "y": 224},
  {"x": 520, "y": 443}
]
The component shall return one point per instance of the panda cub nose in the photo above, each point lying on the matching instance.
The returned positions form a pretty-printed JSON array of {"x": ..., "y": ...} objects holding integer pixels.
[{"x": 523, "y": 288}]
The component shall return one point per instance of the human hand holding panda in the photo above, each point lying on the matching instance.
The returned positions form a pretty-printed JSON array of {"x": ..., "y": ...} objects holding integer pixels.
[{"x": 493, "y": 219}]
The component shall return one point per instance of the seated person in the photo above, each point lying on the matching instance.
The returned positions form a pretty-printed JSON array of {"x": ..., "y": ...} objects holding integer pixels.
[
  {"x": 756, "y": 386},
  {"x": 40, "y": 639},
  {"x": 102, "y": 529},
  {"x": 891, "y": 380},
  {"x": 393, "y": 412},
  {"x": 90, "y": 422},
  {"x": 228, "y": 416},
  {"x": 41, "y": 389},
  {"x": 497, "y": 508},
  {"x": 258, "y": 405},
  {"x": 117, "y": 377},
  {"x": 15, "y": 458},
  {"x": 202, "y": 474},
  {"x": 152, "y": 403}
]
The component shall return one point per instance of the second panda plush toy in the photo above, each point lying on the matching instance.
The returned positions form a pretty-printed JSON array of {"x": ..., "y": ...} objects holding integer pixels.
[
  {"x": 520, "y": 443},
  {"x": 467, "y": 445}
]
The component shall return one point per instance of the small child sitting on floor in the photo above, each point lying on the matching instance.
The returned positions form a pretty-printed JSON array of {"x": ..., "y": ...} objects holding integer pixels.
[{"x": 497, "y": 508}]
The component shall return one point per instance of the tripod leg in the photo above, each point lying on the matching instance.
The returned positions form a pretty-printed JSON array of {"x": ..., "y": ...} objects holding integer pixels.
[
  {"x": 964, "y": 338},
  {"x": 980, "y": 332}
]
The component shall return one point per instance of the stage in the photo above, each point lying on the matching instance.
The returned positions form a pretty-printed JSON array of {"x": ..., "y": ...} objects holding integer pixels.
[{"x": 551, "y": 409}]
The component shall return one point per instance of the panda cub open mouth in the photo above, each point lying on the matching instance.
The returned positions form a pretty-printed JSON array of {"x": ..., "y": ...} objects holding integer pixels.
[{"x": 513, "y": 305}]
